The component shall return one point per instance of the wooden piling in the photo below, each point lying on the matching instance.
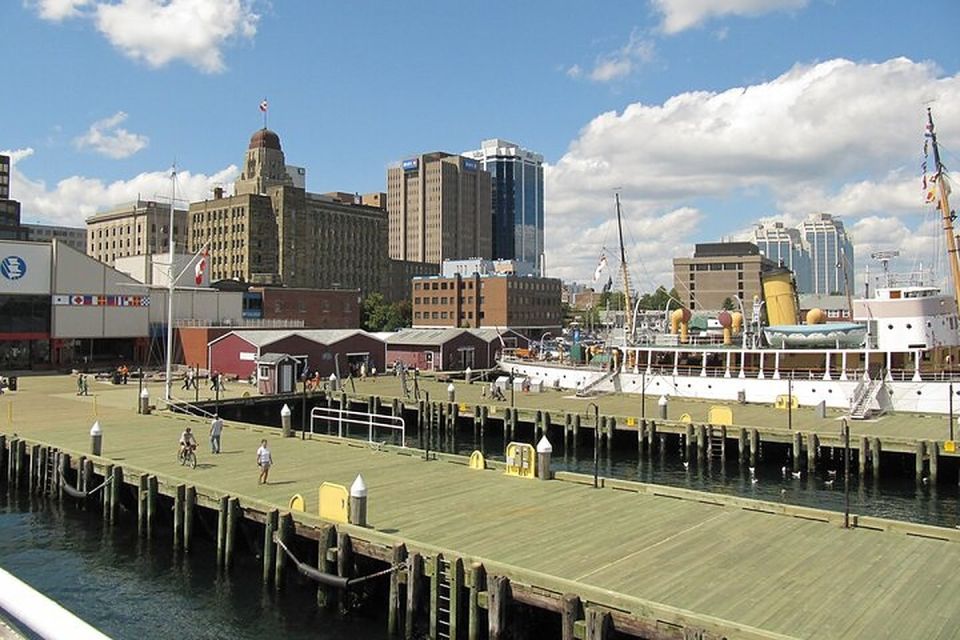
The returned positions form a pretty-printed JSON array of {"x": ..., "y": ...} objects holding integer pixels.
[
  {"x": 230, "y": 541},
  {"x": 34, "y": 468},
  {"x": 178, "y": 496},
  {"x": 82, "y": 473},
  {"x": 575, "y": 433},
  {"x": 875, "y": 451},
  {"x": 222, "y": 530},
  {"x": 701, "y": 442},
  {"x": 651, "y": 435},
  {"x": 797, "y": 449},
  {"x": 919, "y": 459},
  {"x": 269, "y": 546},
  {"x": 569, "y": 614},
  {"x": 688, "y": 441},
  {"x": 106, "y": 493},
  {"x": 152, "y": 490},
  {"x": 610, "y": 428},
  {"x": 285, "y": 534},
  {"x": 456, "y": 594},
  {"x": 88, "y": 474},
  {"x": 189, "y": 506},
  {"x": 812, "y": 445},
  {"x": 742, "y": 444},
  {"x": 478, "y": 583},
  {"x": 3, "y": 453},
  {"x": 326, "y": 541},
  {"x": 10, "y": 459},
  {"x": 863, "y": 455},
  {"x": 598, "y": 624},
  {"x": 498, "y": 602},
  {"x": 19, "y": 460},
  {"x": 754, "y": 447},
  {"x": 484, "y": 412},
  {"x": 933, "y": 452},
  {"x": 414, "y": 578},
  {"x": 435, "y": 577},
  {"x": 344, "y": 566},
  {"x": 397, "y": 556}
]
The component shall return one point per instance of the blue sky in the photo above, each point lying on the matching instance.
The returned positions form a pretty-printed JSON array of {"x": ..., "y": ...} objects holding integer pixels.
[{"x": 708, "y": 114}]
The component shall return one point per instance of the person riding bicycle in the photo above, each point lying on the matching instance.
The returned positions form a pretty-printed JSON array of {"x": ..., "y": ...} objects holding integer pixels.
[{"x": 187, "y": 441}]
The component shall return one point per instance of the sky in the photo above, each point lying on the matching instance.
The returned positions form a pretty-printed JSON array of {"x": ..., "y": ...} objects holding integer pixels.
[{"x": 708, "y": 116}]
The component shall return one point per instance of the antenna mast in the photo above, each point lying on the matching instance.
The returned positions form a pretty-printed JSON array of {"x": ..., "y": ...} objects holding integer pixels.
[
  {"x": 945, "y": 213},
  {"x": 628, "y": 307}
]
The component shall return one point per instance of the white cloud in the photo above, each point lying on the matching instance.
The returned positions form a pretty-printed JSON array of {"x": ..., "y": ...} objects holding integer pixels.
[
  {"x": 57, "y": 10},
  {"x": 679, "y": 15},
  {"x": 161, "y": 31},
  {"x": 72, "y": 200},
  {"x": 619, "y": 63},
  {"x": 837, "y": 136},
  {"x": 108, "y": 138}
]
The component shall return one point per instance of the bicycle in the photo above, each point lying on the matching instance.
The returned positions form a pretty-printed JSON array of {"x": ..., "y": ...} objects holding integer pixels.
[{"x": 187, "y": 456}]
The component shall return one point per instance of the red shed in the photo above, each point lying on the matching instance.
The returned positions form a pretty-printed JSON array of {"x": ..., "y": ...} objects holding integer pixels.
[{"x": 437, "y": 349}]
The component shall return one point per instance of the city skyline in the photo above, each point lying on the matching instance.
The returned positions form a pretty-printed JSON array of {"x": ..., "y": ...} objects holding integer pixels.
[{"x": 704, "y": 125}]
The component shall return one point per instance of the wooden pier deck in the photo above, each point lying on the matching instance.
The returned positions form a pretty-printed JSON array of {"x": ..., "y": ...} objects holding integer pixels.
[{"x": 676, "y": 562}]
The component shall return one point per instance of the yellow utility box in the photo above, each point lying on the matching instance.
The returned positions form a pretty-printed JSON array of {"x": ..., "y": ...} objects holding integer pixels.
[
  {"x": 334, "y": 501},
  {"x": 521, "y": 460}
]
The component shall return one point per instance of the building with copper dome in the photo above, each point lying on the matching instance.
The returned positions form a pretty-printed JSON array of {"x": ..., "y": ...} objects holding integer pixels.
[{"x": 273, "y": 231}]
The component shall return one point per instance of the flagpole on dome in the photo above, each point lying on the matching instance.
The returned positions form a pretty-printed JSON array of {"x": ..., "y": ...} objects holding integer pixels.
[{"x": 263, "y": 110}]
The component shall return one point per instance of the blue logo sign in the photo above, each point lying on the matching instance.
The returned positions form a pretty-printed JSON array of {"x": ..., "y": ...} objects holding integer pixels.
[
  {"x": 411, "y": 165},
  {"x": 13, "y": 267},
  {"x": 470, "y": 165}
]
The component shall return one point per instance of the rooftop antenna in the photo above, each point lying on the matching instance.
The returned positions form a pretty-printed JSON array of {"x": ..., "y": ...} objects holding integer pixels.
[{"x": 884, "y": 258}]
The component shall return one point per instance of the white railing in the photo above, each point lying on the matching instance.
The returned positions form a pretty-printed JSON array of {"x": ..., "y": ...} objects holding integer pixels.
[
  {"x": 344, "y": 418},
  {"x": 40, "y": 614}
]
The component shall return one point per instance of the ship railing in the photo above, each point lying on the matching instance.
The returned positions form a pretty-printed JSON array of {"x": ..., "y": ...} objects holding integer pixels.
[{"x": 45, "y": 618}]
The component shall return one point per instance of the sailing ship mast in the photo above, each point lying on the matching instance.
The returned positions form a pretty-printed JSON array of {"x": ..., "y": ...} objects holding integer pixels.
[
  {"x": 943, "y": 190},
  {"x": 627, "y": 305}
]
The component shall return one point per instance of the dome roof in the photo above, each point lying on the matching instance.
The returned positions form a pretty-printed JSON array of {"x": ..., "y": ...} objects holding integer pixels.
[{"x": 265, "y": 138}]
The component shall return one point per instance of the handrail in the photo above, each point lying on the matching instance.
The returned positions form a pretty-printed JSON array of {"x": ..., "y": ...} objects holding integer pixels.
[
  {"x": 40, "y": 614},
  {"x": 192, "y": 409},
  {"x": 370, "y": 420}
]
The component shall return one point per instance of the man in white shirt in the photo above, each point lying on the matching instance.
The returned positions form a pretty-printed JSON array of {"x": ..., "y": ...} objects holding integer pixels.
[
  {"x": 216, "y": 428},
  {"x": 264, "y": 460}
]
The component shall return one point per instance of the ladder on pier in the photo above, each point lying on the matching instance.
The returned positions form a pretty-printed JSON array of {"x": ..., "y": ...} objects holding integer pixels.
[
  {"x": 440, "y": 611},
  {"x": 50, "y": 480},
  {"x": 716, "y": 442}
]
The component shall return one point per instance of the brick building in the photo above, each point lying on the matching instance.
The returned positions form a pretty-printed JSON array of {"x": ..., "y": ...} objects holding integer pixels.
[{"x": 717, "y": 271}]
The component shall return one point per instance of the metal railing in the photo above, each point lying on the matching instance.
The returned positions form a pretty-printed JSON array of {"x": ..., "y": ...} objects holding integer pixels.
[
  {"x": 345, "y": 418},
  {"x": 31, "y": 609}
]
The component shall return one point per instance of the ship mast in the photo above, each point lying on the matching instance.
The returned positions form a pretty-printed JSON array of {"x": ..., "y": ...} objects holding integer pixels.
[
  {"x": 627, "y": 306},
  {"x": 945, "y": 213}
]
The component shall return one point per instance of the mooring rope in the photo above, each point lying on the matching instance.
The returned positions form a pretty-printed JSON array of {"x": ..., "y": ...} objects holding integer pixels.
[
  {"x": 73, "y": 491},
  {"x": 347, "y": 582}
]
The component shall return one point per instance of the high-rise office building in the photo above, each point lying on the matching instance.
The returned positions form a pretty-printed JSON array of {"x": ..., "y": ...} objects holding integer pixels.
[
  {"x": 784, "y": 246},
  {"x": 73, "y": 237},
  {"x": 517, "y": 200},
  {"x": 134, "y": 229},
  {"x": 10, "y": 228},
  {"x": 439, "y": 209},
  {"x": 831, "y": 254}
]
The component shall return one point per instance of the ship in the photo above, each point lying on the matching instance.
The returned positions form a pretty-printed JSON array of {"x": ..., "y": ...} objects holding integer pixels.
[{"x": 897, "y": 354}]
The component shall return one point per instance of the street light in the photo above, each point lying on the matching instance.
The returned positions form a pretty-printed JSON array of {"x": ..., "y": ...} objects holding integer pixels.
[
  {"x": 542, "y": 338},
  {"x": 596, "y": 444},
  {"x": 512, "y": 386}
]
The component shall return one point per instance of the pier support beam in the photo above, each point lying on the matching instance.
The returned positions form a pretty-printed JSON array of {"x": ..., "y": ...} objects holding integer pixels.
[
  {"x": 178, "y": 497},
  {"x": 478, "y": 583},
  {"x": 115, "y": 487},
  {"x": 398, "y": 555},
  {"x": 326, "y": 541},
  {"x": 742, "y": 446},
  {"x": 414, "y": 578},
  {"x": 141, "y": 505},
  {"x": 222, "y": 530},
  {"x": 812, "y": 445},
  {"x": 344, "y": 566},
  {"x": 701, "y": 443},
  {"x": 233, "y": 522},
  {"x": 498, "y": 602},
  {"x": 933, "y": 452},
  {"x": 875, "y": 451},
  {"x": 152, "y": 490},
  {"x": 269, "y": 546},
  {"x": 598, "y": 624},
  {"x": 796, "y": 451},
  {"x": 285, "y": 533},
  {"x": 456, "y": 594},
  {"x": 106, "y": 494},
  {"x": 569, "y": 614},
  {"x": 864, "y": 455},
  {"x": 754, "y": 447},
  {"x": 189, "y": 506},
  {"x": 919, "y": 459}
]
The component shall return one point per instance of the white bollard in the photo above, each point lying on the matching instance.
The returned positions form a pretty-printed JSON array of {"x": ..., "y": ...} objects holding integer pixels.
[
  {"x": 96, "y": 438},
  {"x": 544, "y": 453},
  {"x": 333, "y": 382},
  {"x": 286, "y": 422},
  {"x": 662, "y": 404},
  {"x": 468, "y": 374},
  {"x": 145, "y": 402},
  {"x": 451, "y": 393},
  {"x": 358, "y": 502}
]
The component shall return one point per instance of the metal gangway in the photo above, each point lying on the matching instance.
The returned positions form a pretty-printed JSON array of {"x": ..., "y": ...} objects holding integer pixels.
[{"x": 346, "y": 418}]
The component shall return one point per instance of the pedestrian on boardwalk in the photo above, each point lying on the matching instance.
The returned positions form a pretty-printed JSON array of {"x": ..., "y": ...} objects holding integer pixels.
[
  {"x": 188, "y": 380},
  {"x": 264, "y": 460},
  {"x": 214, "y": 380},
  {"x": 216, "y": 428},
  {"x": 84, "y": 385},
  {"x": 79, "y": 384}
]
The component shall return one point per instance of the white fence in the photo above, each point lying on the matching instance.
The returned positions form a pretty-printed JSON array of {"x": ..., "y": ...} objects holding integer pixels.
[{"x": 344, "y": 419}]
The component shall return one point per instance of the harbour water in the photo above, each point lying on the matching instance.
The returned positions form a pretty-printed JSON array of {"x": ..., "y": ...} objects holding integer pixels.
[{"x": 131, "y": 588}]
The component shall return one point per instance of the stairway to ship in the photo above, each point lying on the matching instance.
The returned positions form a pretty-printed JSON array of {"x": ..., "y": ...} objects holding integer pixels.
[
  {"x": 610, "y": 375},
  {"x": 863, "y": 396}
]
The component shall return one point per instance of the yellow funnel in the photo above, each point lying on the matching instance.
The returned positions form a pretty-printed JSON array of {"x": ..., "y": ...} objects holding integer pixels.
[{"x": 780, "y": 295}]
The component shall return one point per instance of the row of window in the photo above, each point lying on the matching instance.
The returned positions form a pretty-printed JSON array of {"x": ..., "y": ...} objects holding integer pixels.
[{"x": 444, "y": 315}]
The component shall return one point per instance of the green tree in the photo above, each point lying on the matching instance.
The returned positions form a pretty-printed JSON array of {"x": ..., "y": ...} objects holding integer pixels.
[
  {"x": 729, "y": 304},
  {"x": 376, "y": 314}
]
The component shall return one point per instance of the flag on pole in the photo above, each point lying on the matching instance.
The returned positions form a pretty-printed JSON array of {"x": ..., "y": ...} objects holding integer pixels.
[
  {"x": 600, "y": 267},
  {"x": 201, "y": 267},
  {"x": 263, "y": 105}
]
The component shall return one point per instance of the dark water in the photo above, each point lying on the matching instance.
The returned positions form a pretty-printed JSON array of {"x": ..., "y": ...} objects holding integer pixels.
[{"x": 131, "y": 588}]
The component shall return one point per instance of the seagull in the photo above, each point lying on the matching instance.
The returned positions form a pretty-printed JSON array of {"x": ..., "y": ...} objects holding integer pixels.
[
  {"x": 828, "y": 483},
  {"x": 783, "y": 471},
  {"x": 795, "y": 474},
  {"x": 832, "y": 473},
  {"x": 753, "y": 470},
  {"x": 686, "y": 465},
  {"x": 753, "y": 480}
]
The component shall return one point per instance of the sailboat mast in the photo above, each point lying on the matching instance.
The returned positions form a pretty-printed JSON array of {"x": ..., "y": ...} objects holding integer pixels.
[
  {"x": 628, "y": 307},
  {"x": 945, "y": 212}
]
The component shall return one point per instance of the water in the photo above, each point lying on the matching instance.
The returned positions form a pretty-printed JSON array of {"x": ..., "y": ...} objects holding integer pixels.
[{"x": 131, "y": 588}]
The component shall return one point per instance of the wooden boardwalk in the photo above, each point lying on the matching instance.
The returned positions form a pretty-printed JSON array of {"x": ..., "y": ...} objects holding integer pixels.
[{"x": 729, "y": 566}]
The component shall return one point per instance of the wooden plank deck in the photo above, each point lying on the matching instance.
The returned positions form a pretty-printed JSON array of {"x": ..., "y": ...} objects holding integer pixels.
[{"x": 776, "y": 573}]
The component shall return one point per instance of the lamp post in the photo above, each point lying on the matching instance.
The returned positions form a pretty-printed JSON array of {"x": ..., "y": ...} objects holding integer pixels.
[
  {"x": 303, "y": 409},
  {"x": 542, "y": 338},
  {"x": 790, "y": 404},
  {"x": 512, "y": 390},
  {"x": 951, "y": 411},
  {"x": 596, "y": 444}
]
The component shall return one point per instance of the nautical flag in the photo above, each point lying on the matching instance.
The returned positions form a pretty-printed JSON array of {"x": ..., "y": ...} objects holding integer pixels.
[
  {"x": 607, "y": 287},
  {"x": 263, "y": 105},
  {"x": 931, "y": 194},
  {"x": 201, "y": 267},
  {"x": 600, "y": 267}
]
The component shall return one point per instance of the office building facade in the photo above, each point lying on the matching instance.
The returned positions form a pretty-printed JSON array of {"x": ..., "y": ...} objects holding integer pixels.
[
  {"x": 73, "y": 237},
  {"x": 784, "y": 246},
  {"x": 718, "y": 271},
  {"x": 10, "y": 228},
  {"x": 517, "y": 200},
  {"x": 831, "y": 254},
  {"x": 439, "y": 209},
  {"x": 133, "y": 229}
]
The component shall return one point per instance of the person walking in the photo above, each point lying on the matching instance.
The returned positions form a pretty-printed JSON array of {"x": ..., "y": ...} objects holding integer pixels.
[
  {"x": 216, "y": 428},
  {"x": 264, "y": 460},
  {"x": 84, "y": 385},
  {"x": 79, "y": 384},
  {"x": 187, "y": 380}
]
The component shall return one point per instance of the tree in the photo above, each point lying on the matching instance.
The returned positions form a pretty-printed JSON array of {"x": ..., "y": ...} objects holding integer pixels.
[
  {"x": 376, "y": 314},
  {"x": 657, "y": 301},
  {"x": 729, "y": 304}
]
